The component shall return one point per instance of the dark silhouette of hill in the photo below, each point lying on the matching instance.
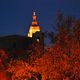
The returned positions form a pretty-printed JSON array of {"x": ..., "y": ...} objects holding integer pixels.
[{"x": 15, "y": 44}]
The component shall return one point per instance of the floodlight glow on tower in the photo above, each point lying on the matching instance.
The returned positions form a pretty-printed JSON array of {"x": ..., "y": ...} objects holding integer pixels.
[{"x": 34, "y": 26}]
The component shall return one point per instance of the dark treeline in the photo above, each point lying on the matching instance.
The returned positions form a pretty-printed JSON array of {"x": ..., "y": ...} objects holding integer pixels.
[{"x": 67, "y": 30}]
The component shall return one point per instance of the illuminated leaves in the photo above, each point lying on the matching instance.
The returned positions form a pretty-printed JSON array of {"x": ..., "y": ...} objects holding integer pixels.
[{"x": 54, "y": 64}]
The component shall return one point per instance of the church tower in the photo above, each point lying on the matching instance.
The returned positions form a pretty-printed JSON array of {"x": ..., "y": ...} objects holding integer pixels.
[{"x": 34, "y": 26}]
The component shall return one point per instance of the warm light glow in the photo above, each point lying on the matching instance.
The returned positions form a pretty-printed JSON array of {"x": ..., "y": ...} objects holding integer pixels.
[
  {"x": 33, "y": 30},
  {"x": 34, "y": 17},
  {"x": 36, "y": 23},
  {"x": 34, "y": 26}
]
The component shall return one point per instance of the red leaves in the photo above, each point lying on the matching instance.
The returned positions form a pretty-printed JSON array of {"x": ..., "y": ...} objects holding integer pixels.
[
  {"x": 3, "y": 76},
  {"x": 54, "y": 64}
]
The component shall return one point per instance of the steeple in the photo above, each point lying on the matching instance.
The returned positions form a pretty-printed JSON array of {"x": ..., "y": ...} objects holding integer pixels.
[
  {"x": 34, "y": 26},
  {"x": 34, "y": 15}
]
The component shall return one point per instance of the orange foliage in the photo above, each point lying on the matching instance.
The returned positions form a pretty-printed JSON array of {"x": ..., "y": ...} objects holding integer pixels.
[
  {"x": 3, "y": 73},
  {"x": 54, "y": 63},
  {"x": 57, "y": 63}
]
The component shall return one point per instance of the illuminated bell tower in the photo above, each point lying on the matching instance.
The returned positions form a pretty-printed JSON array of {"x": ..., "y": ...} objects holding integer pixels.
[{"x": 34, "y": 26}]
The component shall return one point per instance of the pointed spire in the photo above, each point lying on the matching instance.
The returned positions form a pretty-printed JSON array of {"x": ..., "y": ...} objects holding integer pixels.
[
  {"x": 34, "y": 13},
  {"x": 34, "y": 26},
  {"x": 34, "y": 16}
]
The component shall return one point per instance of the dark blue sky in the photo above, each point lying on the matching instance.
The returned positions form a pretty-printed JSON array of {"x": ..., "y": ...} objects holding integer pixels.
[{"x": 16, "y": 15}]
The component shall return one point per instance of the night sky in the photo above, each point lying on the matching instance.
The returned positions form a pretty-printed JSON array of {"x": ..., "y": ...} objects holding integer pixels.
[{"x": 16, "y": 15}]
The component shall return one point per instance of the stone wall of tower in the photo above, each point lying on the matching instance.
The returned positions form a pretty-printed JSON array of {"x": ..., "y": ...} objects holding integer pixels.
[{"x": 39, "y": 38}]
